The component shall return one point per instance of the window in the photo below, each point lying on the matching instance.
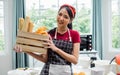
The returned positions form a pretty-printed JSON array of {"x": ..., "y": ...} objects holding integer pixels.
[
  {"x": 44, "y": 12},
  {"x": 2, "y": 26},
  {"x": 116, "y": 24},
  {"x": 111, "y": 28}
]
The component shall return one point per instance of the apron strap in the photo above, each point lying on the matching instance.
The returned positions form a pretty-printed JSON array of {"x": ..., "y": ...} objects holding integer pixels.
[{"x": 70, "y": 39}]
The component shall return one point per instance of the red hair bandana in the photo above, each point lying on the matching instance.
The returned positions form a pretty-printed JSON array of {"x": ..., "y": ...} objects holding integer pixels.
[{"x": 71, "y": 8}]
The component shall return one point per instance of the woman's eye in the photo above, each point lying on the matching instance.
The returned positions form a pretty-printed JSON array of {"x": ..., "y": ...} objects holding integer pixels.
[
  {"x": 60, "y": 14},
  {"x": 66, "y": 17}
]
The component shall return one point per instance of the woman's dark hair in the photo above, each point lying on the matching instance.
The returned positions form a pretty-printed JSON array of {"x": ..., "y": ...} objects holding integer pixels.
[
  {"x": 70, "y": 25},
  {"x": 70, "y": 13}
]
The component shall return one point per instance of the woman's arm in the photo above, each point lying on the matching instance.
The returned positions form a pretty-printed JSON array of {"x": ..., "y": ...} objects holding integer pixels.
[
  {"x": 73, "y": 58},
  {"x": 40, "y": 57}
]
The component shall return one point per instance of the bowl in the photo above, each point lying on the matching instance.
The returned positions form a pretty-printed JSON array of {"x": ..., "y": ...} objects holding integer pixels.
[
  {"x": 84, "y": 62},
  {"x": 104, "y": 65}
]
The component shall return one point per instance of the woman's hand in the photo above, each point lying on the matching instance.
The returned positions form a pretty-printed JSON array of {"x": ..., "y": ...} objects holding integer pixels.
[
  {"x": 49, "y": 44},
  {"x": 17, "y": 48}
]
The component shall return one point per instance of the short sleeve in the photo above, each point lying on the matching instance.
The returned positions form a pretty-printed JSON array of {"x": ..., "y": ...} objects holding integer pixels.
[{"x": 75, "y": 36}]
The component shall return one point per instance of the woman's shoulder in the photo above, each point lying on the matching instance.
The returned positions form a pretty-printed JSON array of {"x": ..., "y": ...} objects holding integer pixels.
[
  {"x": 52, "y": 31},
  {"x": 75, "y": 36},
  {"x": 74, "y": 32}
]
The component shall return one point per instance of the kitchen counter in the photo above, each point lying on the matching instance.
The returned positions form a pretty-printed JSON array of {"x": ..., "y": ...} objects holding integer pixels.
[{"x": 24, "y": 71}]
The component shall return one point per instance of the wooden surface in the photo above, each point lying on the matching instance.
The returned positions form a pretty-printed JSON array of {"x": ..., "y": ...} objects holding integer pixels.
[
  {"x": 32, "y": 35},
  {"x": 27, "y": 48},
  {"x": 31, "y": 42}
]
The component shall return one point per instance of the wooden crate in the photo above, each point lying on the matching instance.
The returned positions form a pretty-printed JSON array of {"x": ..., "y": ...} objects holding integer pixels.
[{"x": 31, "y": 42}]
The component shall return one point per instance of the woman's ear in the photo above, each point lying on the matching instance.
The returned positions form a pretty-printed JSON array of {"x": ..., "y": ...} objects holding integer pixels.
[{"x": 71, "y": 20}]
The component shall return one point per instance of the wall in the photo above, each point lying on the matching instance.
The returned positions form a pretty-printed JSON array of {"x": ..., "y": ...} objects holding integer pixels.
[{"x": 6, "y": 56}]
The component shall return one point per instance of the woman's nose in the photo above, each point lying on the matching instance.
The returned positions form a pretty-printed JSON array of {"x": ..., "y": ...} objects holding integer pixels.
[{"x": 61, "y": 18}]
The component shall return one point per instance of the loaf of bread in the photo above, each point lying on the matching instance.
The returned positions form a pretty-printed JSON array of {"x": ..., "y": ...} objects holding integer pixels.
[
  {"x": 42, "y": 30},
  {"x": 30, "y": 27},
  {"x": 21, "y": 23},
  {"x": 26, "y": 24}
]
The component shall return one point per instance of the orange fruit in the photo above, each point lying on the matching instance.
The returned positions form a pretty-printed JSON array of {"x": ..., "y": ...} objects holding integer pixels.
[
  {"x": 81, "y": 73},
  {"x": 117, "y": 59},
  {"x": 75, "y": 73}
]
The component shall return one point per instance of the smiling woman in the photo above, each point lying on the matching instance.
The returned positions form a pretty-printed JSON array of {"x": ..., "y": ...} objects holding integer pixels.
[{"x": 43, "y": 13}]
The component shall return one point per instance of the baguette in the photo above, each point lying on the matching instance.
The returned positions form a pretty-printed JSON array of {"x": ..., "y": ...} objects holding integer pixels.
[
  {"x": 26, "y": 23},
  {"x": 21, "y": 23},
  {"x": 30, "y": 26}
]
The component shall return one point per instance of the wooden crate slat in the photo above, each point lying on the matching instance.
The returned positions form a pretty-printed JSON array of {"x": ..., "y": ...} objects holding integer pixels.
[
  {"x": 32, "y": 35},
  {"x": 29, "y": 41},
  {"x": 27, "y": 48}
]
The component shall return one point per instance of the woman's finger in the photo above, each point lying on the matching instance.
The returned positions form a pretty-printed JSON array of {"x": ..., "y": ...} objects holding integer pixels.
[
  {"x": 50, "y": 37},
  {"x": 20, "y": 49},
  {"x": 17, "y": 48}
]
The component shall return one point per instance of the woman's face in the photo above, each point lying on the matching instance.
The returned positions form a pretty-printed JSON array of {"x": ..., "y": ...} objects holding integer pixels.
[{"x": 63, "y": 18}]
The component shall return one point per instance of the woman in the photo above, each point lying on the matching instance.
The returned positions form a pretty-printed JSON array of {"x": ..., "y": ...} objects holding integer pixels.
[{"x": 63, "y": 46}]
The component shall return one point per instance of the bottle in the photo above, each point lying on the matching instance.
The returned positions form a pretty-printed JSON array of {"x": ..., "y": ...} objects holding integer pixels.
[{"x": 92, "y": 64}]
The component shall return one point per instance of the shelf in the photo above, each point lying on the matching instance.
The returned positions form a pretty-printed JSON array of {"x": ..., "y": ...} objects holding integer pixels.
[{"x": 88, "y": 52}]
